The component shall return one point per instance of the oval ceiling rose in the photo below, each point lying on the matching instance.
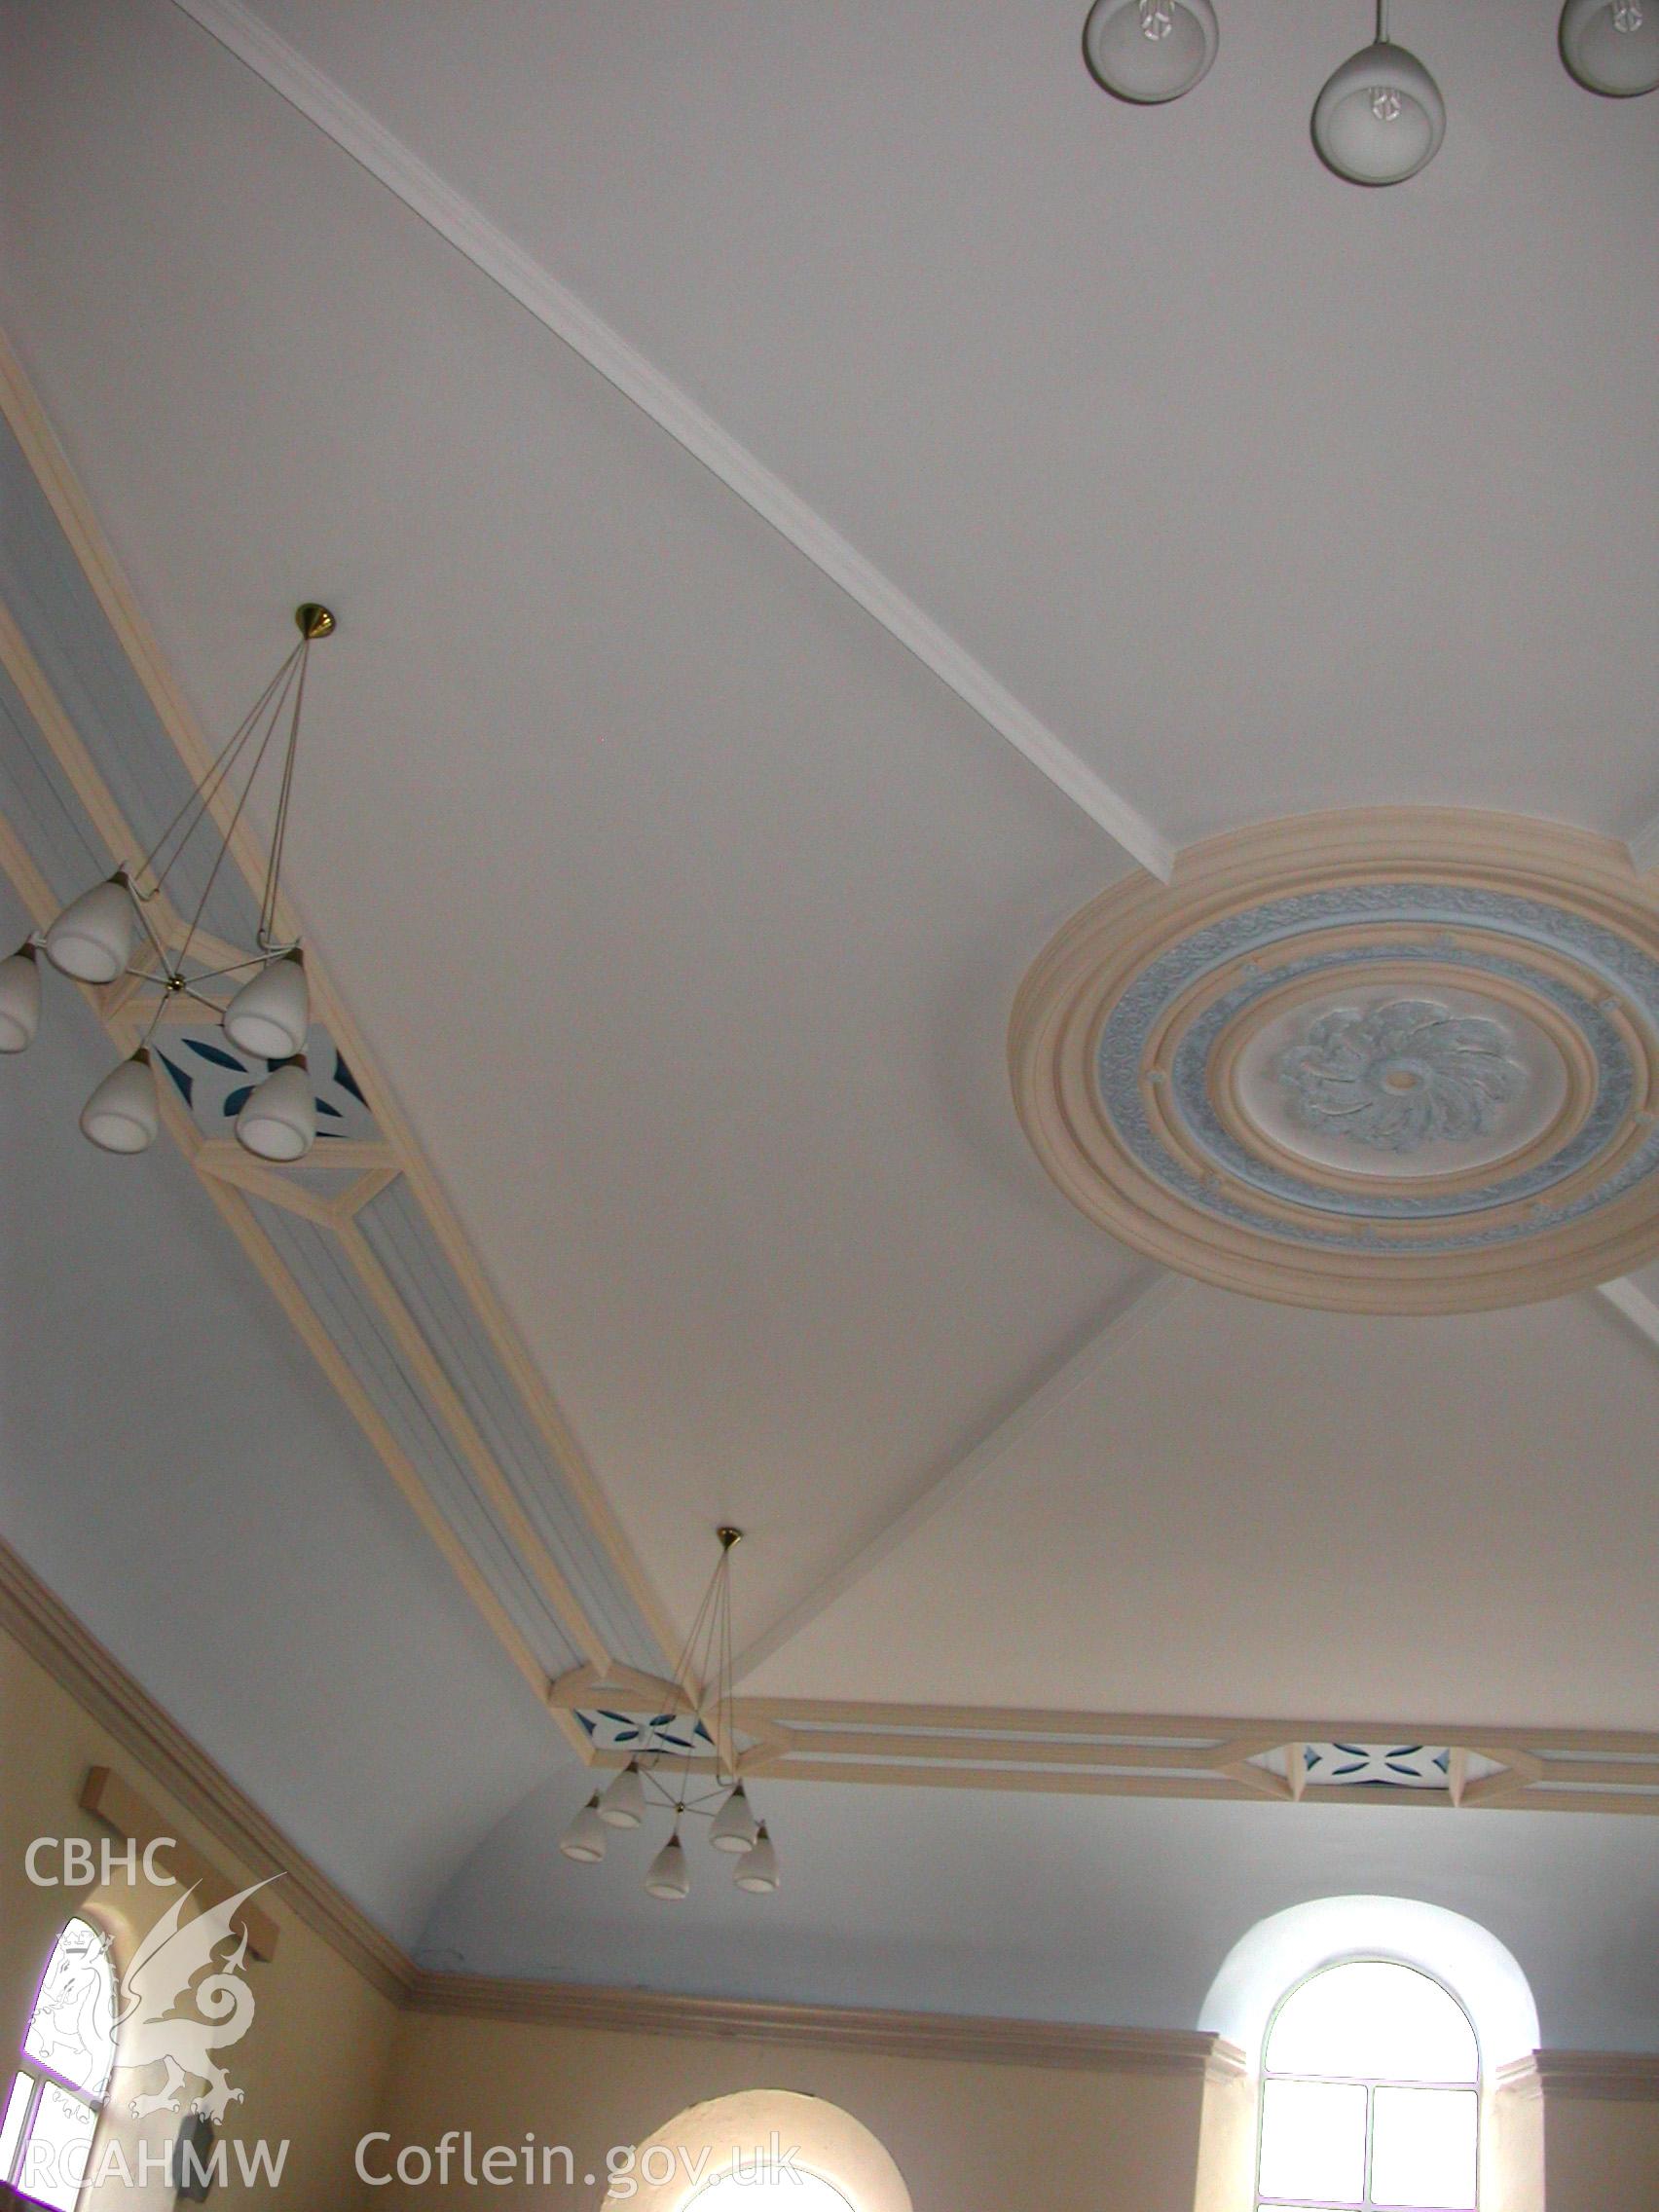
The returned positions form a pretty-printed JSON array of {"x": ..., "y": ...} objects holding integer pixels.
[{"x": 1401, "y": 1060}]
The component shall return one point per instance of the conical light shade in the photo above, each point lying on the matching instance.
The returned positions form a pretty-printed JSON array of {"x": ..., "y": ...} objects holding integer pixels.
[
  {"x": 585, "y": 1839},
  {"x": 278, "y": 1119},
  {"x": 124, "y": 1113},
  {"x": 758, "y": 1873},
  {"x": 19, "y": 1000},
  {"x": 669, "y": 1875},
  {"x": 623, "y": 1805},
  {"x": 1612, "y": 46},
  {"x": 93, "y": 938},
  {"x": 1150, "y": 51},
  {"x": 735, "y": 1825},
  {"x": 269, "y": 1016},
  {"x": 1380, "y": 118}
]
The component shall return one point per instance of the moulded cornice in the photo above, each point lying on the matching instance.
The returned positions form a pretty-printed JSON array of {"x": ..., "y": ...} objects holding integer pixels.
[
  {"x": 1181, "y": 2054},
  {"x": 44, "y": 1628},
  {"x": 1603, "y": 2076}
]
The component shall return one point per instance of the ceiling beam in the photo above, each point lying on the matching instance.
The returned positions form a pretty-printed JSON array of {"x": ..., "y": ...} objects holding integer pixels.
[
  {"x": 470, "y": 232},
  {"x": 1081, "y": 1370}
]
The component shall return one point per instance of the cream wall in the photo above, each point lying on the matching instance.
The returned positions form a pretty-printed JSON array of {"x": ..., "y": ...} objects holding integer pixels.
[
  {"x": 1227, "y": 2146},
  {"x": 1601, "y": 2154},
  {"x": 312, "y": 2065},
  {"x": 968, "y": 2137}
]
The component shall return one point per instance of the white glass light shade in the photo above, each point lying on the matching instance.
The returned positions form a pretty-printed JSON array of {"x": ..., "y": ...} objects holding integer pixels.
[
  {"x": 758, "y": 1871},
  {"x": 93, "y": 938},
  {"x": 19, "y": 1000},
  {"x": 1150, "y": 51},
  {"x": 623, "y": 1805},
  {"x": 278, "y": 1119},
  {"x": 1612, "y": 46},
  {"x": 1381, "y": 117},
  {"x": 124, "y": 1113},
  {"x": 668, "y": 1875},
  {"x": 735, "y": 1826},
  {"x": 585, "y": 1837},
  {"x": 269, "y": 1016}
]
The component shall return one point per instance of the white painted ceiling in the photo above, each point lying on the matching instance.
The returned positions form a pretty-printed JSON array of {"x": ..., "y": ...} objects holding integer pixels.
[
  {"x": 683, "y": 906},
  {"x": 1263, "y": 492}
]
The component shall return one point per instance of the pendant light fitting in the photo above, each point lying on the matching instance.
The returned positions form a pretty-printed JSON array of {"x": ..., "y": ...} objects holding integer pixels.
[
  {"x": 1381, "y": 117},
  {"x": 107, "y": 934},
  {"x": 664, "y": 1780}
]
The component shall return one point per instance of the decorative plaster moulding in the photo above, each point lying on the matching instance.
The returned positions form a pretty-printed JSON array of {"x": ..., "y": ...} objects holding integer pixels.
[
  {"x": 1395, "y": 1061},
  {"x": 356, "y": 1242},
  {"x": 627, "y": 1715}
]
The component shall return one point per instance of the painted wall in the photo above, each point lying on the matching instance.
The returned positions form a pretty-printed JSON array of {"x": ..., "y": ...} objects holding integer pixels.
[
  {"x": 312, "y": 2064},
  {"x": 967, "y": 2137},
  {"x": 1601, "y": 2156}
]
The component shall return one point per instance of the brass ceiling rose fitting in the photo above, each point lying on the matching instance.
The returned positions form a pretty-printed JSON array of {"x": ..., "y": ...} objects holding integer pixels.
[
  {"x": 1395, "y": 1061},
  {"x": 314, "y": 620}
]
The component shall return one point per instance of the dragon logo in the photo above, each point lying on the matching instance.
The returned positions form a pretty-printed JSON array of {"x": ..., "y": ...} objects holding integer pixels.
[{"x": 164, "y": 1972}]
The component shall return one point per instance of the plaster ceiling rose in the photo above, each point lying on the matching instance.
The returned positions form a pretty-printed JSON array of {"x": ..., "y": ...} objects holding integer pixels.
[{"x": 1396, "y": 1061}]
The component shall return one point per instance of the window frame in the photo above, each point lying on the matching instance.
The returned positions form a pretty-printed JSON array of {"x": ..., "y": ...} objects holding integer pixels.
[
  {"x": 1366, "y": 2202},
  {"x": 40, "y": 2072}
]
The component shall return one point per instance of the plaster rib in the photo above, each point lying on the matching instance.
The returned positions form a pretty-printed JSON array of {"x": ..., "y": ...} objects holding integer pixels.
[
  {"x": 1077, "y": 1372},
  {"x": 470, "y": 232}
]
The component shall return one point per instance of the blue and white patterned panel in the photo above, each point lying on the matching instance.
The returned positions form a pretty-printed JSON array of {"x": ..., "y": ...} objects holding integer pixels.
[
  {"x": 1376, "y": 1766},
  {"x": 662, "y": 1735},
  {"x": 214, "y": 1079}
]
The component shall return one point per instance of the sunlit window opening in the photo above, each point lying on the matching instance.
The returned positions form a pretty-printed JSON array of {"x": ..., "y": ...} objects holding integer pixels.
[
  {"x": 1370, "y": 2095},
  {"x": 52, "y": 2107}
]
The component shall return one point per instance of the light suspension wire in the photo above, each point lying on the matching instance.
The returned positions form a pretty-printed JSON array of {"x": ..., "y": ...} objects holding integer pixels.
[
  {"x": 100, "y": 938},
  {"x": 665, "y": 1778}
]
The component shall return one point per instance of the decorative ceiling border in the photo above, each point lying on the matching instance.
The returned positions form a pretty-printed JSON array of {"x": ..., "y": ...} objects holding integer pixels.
[
  {"x": 1115, "y": 1755},
  {"x": 357, "y": 1242},
  {"x": 470, "y": 232},
  {"x": 48, "y": 1633}
]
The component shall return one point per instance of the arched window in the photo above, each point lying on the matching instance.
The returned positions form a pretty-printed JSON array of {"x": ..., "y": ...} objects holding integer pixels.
[
  {"x": 1370, "y": 2095},
  {"x": 52, "y": 2108},
  {"x": 760, "y": 2151}
]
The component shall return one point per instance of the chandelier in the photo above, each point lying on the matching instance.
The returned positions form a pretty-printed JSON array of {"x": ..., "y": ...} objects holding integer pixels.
[
  {"x": 1381, "y": 117},
  {"x": 110, "y": 933},
  {"x": 663, "y": 1781}
]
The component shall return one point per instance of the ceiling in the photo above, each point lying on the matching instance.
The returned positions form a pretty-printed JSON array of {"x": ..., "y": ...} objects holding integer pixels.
[{"x": 682, "y": 900}]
